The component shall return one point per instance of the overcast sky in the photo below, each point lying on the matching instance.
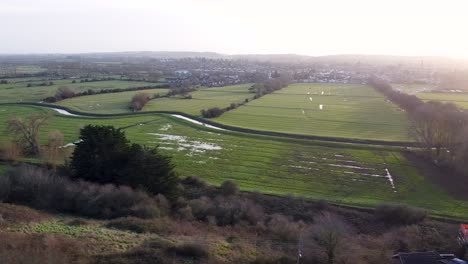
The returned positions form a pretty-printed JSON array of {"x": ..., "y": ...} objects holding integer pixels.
[{"x": 324, "y": 27}]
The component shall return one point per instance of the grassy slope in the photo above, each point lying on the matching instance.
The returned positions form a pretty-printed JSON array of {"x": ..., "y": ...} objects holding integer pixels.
[
  {"x": 350, "y": 111},
  {"x": 16, "y": 92},
  {"x": 335, "y": 172}
]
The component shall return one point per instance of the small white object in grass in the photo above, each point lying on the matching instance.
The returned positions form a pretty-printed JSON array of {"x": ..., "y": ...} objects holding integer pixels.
[
  {"x": 321, "y": 107},
  {"x": 310, "y": 98},
  {"x": 303, "y": 112},
  {"x": 323, "y": 92}
]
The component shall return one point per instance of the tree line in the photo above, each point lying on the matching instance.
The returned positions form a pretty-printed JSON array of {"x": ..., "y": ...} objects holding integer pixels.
[{"x": 440, "y": 128}]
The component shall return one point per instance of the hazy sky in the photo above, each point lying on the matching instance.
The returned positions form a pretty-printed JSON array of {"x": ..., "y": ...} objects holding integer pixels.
[{"x": 398, "y": 27}]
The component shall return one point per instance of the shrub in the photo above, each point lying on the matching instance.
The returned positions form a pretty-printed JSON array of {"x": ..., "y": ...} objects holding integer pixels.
[
  {"x": 139, "y": 100},
  {"x": 11, "y": 152},
  {"x": 33, "y": 248},
  {"x": 212, "y": 112},
  {"x": 138, "y": 225},
  {"x": 5, "y": 187},
  {"x": 229, "y": 187},
  {"x": 395, "y": 214},
  {"x": 282, "y": 228},
  {"x": 274, "y": 260},
  {"x": 18, "y": 214},
  {"x": 39, "y": 188},
  {"x": 189, "y": 250},
  {"x": 227, "y": 210},
  {"x": 64, "y": 92}
]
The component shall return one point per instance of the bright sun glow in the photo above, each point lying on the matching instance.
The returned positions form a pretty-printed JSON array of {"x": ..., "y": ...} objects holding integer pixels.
[{"x": 398, "y": 27}]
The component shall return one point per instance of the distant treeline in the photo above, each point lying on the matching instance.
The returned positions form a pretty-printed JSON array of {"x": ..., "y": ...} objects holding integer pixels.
[
  {"x": 65, "y": 92},
  {"x": 260, "y": 89},
  {"x": 439, "y": 127}
]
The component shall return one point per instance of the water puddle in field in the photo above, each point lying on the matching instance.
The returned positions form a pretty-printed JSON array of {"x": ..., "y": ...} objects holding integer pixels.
[
  {"x": 197, "y": 122},
  {"x": 71, "y": 144},
  {"x": 183, "y": 143},
  {"x": 167, "y": 148},
  {"x": 349, "y": 166},
  {"x": 321, "y": 107},
  {"x": 390, "y": 179},
  {"x": 166, "y": 127},
  {"x": 302, "y": 167},
  {"x": 63, "y": 112}
]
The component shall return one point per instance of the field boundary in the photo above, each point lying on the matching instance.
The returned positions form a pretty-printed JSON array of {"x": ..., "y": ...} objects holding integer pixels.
[{"x": 228, "y": 127}]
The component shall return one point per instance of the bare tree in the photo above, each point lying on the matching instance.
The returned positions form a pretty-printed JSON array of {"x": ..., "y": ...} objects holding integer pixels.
[
  {"x": 64, "y": 92},
  {"x": 139, "y": 100},
  {"x": 27, "y": 130},
  {"x": 56, "y": 140},
  {"x": 330, "y": 233}
]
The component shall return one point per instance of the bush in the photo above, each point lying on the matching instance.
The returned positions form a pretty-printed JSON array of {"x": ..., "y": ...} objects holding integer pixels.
[
  {"x": 139, "y": 100},
  {"x": 189, "y": 250},
  {"x": 33, "y": 248},
  {"x": 11, "y": 152},
  {"x": 229, "y": 187},
  {"x": 395, "y": 214},
  {"x": 5, "y": 186},
  {"x": 39, "y": 188},
  {"x": 138, "y": 225},
  {"x": 227, "y": 210},
  {"x": 212, "y": 112},
  {"x": 273, "y": 260}
]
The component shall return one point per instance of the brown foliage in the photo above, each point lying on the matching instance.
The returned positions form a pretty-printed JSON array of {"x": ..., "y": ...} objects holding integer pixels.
[
  {"x": 37, "y": 249},
  {"x": 27, "y": 131},
  {"x": 139, "y": 100},
  {"x": 11, "y": 152}
]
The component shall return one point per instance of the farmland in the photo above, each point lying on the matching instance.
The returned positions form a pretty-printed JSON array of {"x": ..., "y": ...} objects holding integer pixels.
[
  {"x": 427, "y": 93},
  {"x": 348, "y": 174},
  {"x": 201, "y": 99},
  {"x": 111, "y": 103},
  {"x": 20, "y": 92},
  {"x": 460, "y": 99},
  {"x": 348, "y": 111}
]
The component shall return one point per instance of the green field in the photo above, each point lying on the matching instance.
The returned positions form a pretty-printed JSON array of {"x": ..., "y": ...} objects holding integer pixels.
[
  {"x": 19, "y": 92},
  {"x": 334, "y": 110},
  {"x": 460, "y": 99},
  {"x": 202, "y": 99},
  {"x": 424, "y": 91},
  {"x": 343, "y": 173},
  {"x": 110, "y": 103}
]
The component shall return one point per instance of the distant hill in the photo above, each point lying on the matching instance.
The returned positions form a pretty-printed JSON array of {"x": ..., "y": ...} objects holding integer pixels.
[{"x": 426, "y": 61}]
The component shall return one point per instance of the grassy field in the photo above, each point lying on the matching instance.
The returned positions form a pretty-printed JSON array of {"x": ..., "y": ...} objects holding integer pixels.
[
  {"x": 423, "y": 91},
  {"x": 19, "y": 92},
  {"x": 336, "y": 172},
  {"x": 460, "y": 99},
  {"x": 337, "y": 110},
  {"x": 202, "y": 99},
  {"x": 106, "y": 103}
]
